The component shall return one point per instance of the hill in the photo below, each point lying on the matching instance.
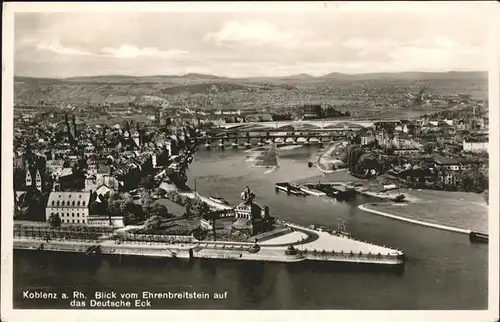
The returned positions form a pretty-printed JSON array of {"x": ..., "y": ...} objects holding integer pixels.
[{"x": 226, "y": 91}]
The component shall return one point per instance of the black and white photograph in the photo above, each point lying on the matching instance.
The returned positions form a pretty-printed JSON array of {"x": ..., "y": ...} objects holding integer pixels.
[{"x": 256, "y": 156}]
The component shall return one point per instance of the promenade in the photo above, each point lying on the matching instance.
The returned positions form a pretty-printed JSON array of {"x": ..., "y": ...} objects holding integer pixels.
[
  {"x": 333, "y": 243},
  {"x": 367, "y": 208}
]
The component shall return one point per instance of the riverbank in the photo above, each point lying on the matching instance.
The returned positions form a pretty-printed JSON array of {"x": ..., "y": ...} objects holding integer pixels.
[
  {"x": 453, "y": 211},
  {"x": 344, "y": 252}
]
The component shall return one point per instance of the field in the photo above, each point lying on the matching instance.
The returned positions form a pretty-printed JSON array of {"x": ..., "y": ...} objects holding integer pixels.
[{"x": 454, "y": 209}]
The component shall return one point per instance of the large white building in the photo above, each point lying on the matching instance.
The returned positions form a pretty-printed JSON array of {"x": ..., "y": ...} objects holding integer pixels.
[
  {"x": 71, "y": 207},
  {"x": 475, "y": 146}
]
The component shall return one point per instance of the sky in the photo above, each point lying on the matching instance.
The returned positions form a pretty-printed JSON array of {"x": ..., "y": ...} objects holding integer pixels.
[{"x": 247, "y": 44}]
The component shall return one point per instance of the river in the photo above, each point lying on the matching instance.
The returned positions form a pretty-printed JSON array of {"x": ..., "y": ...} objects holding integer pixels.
[{"x": 443, "y": 270}]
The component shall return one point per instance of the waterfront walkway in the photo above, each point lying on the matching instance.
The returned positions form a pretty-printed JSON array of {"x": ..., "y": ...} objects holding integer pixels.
[
  {"x": 331, "y": 242},
  {"x": 367, "y": 208}
]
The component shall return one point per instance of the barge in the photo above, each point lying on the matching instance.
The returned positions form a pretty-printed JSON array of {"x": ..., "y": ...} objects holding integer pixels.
[
  {"x": 289, "y": 189},
  {"x": 311, "y": 191},
  {"x": 340, "y": 192}
]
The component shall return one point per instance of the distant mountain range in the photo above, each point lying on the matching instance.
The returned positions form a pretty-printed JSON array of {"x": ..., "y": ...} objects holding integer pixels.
[
  {"x": 124, "y": 89},
  {"x": 299, "y": 77}
]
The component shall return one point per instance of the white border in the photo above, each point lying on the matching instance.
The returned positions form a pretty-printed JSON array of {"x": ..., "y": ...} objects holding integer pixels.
[{"x": 491, "y": 11}]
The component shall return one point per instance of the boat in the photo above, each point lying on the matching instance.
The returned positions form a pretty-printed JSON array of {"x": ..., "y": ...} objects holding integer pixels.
[
  {"x": 219, "y": 200},
  {"x": 312, "y": 191},
  {"x": 289, "y": 189},
  {"x": 477, "y": 237},
  {"x": 399, "y": 198},
  {"x": 340, "y": 192}
]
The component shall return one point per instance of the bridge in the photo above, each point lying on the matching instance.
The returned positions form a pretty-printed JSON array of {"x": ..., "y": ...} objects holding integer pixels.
[
  {"x": 319, "y": 124},
  {"x": 250, "y": 135},
  {"x": 268, "y": 137}
]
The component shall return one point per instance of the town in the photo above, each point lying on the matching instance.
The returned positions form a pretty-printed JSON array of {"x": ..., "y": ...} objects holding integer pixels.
[
  {"x": 72, "y": 167},
  {"x": 325, "y": 157}
]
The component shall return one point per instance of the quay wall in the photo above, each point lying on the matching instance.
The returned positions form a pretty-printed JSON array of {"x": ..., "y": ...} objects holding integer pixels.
[
  {"x": 356, "y": 258},
  {"x": 213, "y": 251},
  {"x": 112, "y": 249},
  {"x": 366, "y": 208},
  {"x": 262, "y": 255}
]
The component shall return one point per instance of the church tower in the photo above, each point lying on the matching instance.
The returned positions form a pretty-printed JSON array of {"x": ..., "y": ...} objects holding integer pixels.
[
  {"x": 29, "y": 179},
  {"x": 38, "y": 181}
]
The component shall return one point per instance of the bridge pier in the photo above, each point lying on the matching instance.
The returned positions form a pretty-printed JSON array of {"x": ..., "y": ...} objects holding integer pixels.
[
  {"x": 234, "y": 145},
  {"x": 221, "y": 144},
  {"x": 247, "y": 143},
  {"x": 268, "y": 137},
  {"x": 208, "y": 144}
]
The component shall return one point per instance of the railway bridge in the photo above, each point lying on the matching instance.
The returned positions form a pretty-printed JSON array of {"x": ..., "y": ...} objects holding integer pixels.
[{"x": 247, "y": 138}]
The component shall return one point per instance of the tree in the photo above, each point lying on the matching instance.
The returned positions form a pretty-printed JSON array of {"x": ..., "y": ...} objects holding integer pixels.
[
  {"x": 148, "y": 182},
  {"x": 130, "y": 218},
  {"x": 54, "y": 220},
  {"x": 184, "y": 200},
  {"x": 197, "y": 207},
  {"x": 19, "y": 178},
  {"x": 159, "y": 210},
  {"x": 429, "y": 147},
  {"x": 153, "y": 223}
]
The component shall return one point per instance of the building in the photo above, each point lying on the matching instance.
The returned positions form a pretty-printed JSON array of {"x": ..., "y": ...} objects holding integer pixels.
[
  {"x": 90, "y": 183},
  {"x": 71, "y": 207},
  {"x": 443, "y": 163},
  {"x": 475, "y": 146},
  {"x": 106, "y": 221},
  {"x": 38, "y": 181},
  {"x": 367, "y": 139},
  {"x": 29, "y": 178},
  {"x": 449, "y": 179},
  {"x": 403, "y": 151}
]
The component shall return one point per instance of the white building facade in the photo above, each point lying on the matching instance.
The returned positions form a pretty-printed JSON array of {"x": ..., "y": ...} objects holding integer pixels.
[{"x": 71, "y": 207}]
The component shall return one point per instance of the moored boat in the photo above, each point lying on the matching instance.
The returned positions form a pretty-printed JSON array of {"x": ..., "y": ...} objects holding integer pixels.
[
  {"x": 311, "y": 191},
  {"x": 289, "y": 188}
]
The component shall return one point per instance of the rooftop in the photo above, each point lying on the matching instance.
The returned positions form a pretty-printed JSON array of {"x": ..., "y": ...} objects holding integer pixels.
[{"x": 445, "y": 161}]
